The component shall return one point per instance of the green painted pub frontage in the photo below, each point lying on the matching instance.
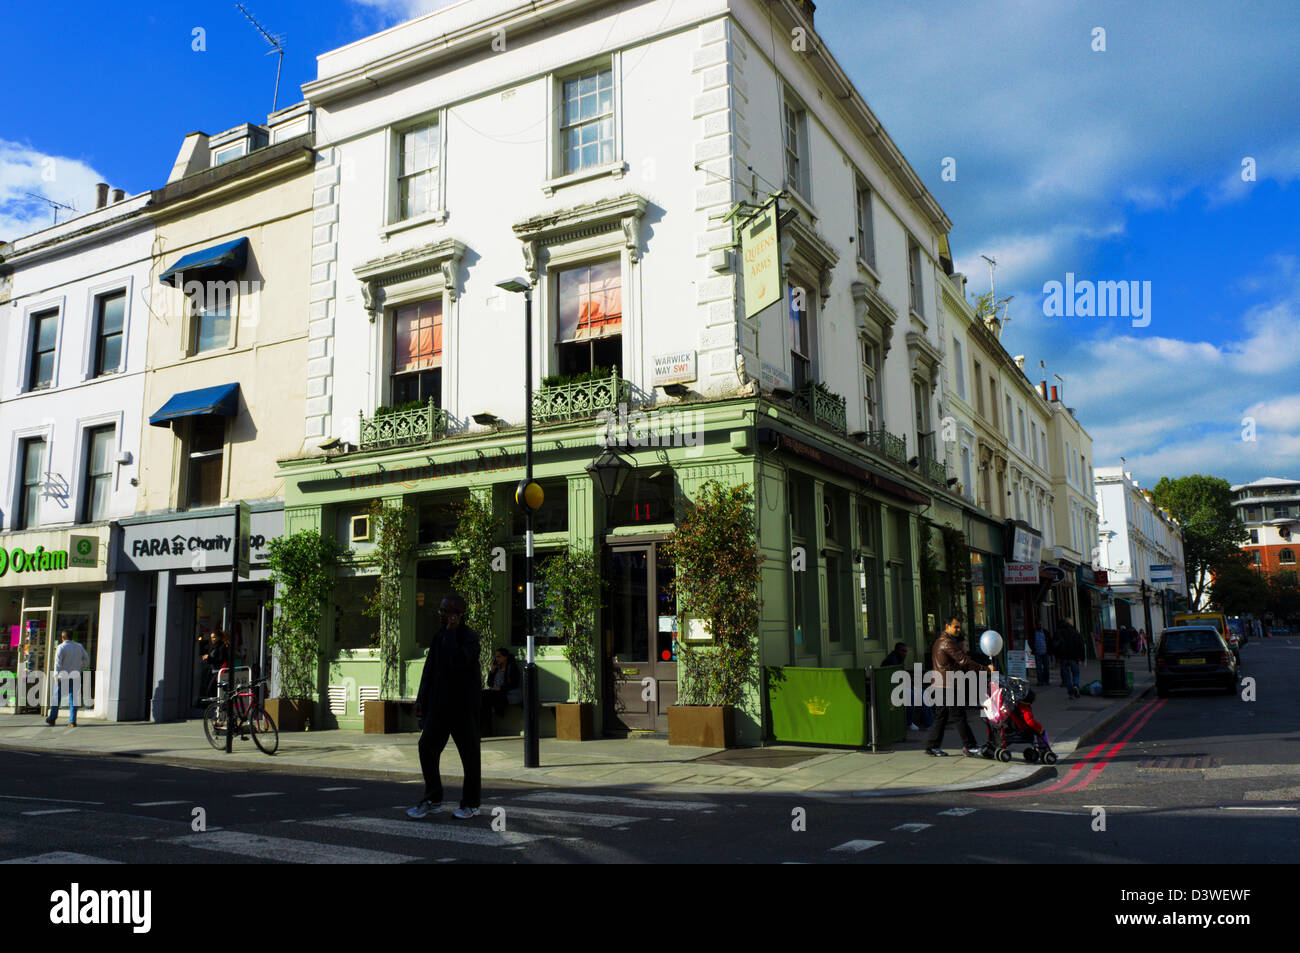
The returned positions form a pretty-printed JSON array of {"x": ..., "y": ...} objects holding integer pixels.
[{"x": 838, "y": 523}]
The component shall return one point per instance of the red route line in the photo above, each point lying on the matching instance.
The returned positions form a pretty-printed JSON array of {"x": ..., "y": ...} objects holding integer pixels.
[
  {"x": 1074, "y": 771},
  {"x": 1100, "y": 766}
]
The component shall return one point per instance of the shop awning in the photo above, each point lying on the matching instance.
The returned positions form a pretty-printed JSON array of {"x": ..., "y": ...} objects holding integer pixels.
[
  {"x": 220, "y": 401},
  {"x": 227, "y": 257}
]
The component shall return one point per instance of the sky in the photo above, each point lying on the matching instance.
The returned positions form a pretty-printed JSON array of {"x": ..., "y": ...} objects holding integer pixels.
[{"x": 1164, "y": 150}]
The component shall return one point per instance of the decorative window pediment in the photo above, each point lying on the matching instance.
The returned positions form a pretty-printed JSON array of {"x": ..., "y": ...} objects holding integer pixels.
[
  {"x": 925, "y": 357},
  {"x": 411, "y": 275},
  {"x": 808, "y": 252},
  {"x": 590, "y": 228},
  {"x": 873, "y": 314}
]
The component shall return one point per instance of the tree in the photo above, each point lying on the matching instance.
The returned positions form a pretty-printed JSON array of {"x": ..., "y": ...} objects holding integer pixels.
[
  {"x": 474, "y": 540},
  {"x": 1238, "y": 589},
  {"x": 715, "y": 551},
  {"x": 1212, "y": 534},
  {"x": 302, "y": 572},
  {"x": 569, "y": 586},
  {"x": 1284, "y": 596}
]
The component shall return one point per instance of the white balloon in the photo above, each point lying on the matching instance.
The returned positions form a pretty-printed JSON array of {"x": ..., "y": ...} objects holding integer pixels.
[{"x": 990, "y": 643}]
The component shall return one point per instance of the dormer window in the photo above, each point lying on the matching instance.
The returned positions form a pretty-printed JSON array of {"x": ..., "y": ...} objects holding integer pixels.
[{"x": 236, "y": 143}]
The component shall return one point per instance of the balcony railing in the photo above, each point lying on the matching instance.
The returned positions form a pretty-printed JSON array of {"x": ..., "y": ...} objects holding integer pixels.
[
  {"x": 934, "y": 470},
  {"x": 822, "y": 406},
  {"x": 887, "y": 445},
  {"x": 403, "y": 428},
  {"x": 584, "y": 399}
]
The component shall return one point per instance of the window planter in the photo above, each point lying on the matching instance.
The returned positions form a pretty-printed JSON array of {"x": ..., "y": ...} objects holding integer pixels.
[
  {"x": 403, "y": 427},
  {"x": 578, "y": 400}
]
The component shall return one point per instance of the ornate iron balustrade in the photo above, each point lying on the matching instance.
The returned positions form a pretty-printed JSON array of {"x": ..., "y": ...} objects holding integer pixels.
[
  {"x": 934, "y": 470},
  {"x": 403, "y": 427},
  {"x": 585, "y": 399},
  {"x": 822, "y": 406},
  {"x": 887, "y": 445}
]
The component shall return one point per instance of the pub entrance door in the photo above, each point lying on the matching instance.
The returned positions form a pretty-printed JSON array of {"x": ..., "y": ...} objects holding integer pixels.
[{"x": 638, "y": 624}]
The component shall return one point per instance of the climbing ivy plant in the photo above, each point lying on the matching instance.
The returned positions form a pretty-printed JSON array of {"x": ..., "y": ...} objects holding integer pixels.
[
  {"x": 475, "y": 538},
  {"x": 302, "y": 573},
  {"x": 393, "y": 548},
  {"x": 569, "y": 586}
]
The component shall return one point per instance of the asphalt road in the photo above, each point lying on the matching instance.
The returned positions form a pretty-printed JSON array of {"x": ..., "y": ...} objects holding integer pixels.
[{"x": 1195, "y": 778}]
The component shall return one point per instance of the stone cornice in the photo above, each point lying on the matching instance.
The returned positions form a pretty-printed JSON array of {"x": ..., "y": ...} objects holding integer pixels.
[{"x": 421, "y": 261}]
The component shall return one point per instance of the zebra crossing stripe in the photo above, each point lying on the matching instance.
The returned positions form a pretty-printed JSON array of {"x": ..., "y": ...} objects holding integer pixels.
[
  {"x": 913, "y": 828},
  {"x": 429, "y": 830},
  {"x": 52, "y": 810},
  {"x": 286, "y": 849},
  {"x": 577, "y": 818},
  {"x": 60, "y": 857},
  {"x": 856, "y": 846},
  {"x": 957, "y": 812},
  {"x": 560, "y": 797}
]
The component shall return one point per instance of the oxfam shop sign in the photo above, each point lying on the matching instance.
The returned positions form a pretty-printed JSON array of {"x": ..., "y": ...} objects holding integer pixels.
[{"x": 82, "y": 553}]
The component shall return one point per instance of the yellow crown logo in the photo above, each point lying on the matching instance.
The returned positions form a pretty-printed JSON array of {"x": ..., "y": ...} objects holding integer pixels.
[{"x": 817, "y": 706}]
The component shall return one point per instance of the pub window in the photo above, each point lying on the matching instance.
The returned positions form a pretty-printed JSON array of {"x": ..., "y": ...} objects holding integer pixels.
[
  {"x": 417, "y": 353},
  {"x": 553, "y": 517},
  {"x": 589, "y": 306},
  {"x": 436, "y": 519},
  {"x": 543, "y": 627},
  {"x": 354, "y": 627},
  {"x": 646, "y": 498}
]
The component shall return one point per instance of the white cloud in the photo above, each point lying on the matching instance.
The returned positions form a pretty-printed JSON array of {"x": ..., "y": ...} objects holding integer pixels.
[
  {"x": 398, "y": 11},
  {"x": 24, "y": 172}
]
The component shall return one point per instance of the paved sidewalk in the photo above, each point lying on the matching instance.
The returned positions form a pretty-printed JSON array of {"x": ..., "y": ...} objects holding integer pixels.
[{"x": 644, "y": 763}]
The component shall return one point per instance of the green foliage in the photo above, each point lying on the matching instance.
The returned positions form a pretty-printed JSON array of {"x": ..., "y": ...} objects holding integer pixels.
[
  {"x": 928, "y": 569},
  {"x": 393, "y": 548},
  {"x": 717, "y": 559},
  {"x": 583, "y": 377},
  {"x": 302, "y": 573},
  {"x": 985, "y": 306},
  {"x": 956, "y": 553},
  {"x": 1212, "y": 534},
  {"x": 1284, "y": 596},
  {"x": 477, "y": 532},
  {"x": 569, "y": 588},
  {"x": 1239, "y": 589}
]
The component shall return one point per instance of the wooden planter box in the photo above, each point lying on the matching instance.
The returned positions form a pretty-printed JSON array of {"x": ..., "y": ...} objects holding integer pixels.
[
  {"x": 702, "y": 726},
  {"x": 382, "y": 717},
  {"x": 574, "y": 721},
  {"x": 290, "y": 714}
]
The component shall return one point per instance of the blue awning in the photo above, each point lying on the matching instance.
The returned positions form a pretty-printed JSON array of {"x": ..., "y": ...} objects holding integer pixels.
[
  {"x": 221, "y": 401},
  {"x": 226, "y": 257}
]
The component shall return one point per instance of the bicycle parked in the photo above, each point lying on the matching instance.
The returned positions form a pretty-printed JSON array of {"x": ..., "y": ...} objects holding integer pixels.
[{"x": 250, "y": 716}]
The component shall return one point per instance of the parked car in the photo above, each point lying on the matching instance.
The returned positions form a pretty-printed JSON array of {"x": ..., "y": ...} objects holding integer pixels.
[
  {"x": 1195, "y": 656},
  {"x": 1216, "y": 619}
]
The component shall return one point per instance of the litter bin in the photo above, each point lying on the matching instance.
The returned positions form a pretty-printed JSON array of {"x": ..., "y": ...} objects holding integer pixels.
[{"x": 1114, "y": 677}]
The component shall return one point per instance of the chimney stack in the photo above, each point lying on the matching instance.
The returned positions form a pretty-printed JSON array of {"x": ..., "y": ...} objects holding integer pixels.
[
  {"x": 1054, "y": 397},
  {"x": 1042, "y": 387},
  {"x": 101, "y": 194},
  {"x": 118, "y": 195}
]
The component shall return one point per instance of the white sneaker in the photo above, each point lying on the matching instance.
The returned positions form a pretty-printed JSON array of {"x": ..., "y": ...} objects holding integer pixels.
[
  {"x": 913, "y": 728},
  {"x": 465, "y": 813},
  {"x": 423, "y": 809}
]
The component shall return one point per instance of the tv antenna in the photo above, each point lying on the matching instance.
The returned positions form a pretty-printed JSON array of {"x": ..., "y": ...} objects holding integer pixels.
[
  {"x": 54, "y": 206},
  {"x": 276, "y": 40}
]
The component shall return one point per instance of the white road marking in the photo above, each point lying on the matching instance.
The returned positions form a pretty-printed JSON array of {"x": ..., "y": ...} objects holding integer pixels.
[
  {"x": 913, "y": 828},
  {"x": 1259, "y": 809},
  {"x": 577, "y": 818},
  {"x": 48, "y": 800},
  {"x": 52, "y": 810},
  {"x": 560, "y": 797},
  {"x": 1039, "y": 810},
  {"x": 336, "y": 789},
  {"x": 60, "y": 857},
  {"x": 157, "y": 803},
  {"x": 263, "y": 794},
  {"x": 432, "y": 830},
  {"x": 286, "y": 849},
  {"x": 856, "y": 846},
  {"x": 957, "y": 812}
]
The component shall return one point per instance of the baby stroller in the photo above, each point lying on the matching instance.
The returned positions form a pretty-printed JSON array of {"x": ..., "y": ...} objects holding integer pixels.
[{"x": 1008, "y": 725}]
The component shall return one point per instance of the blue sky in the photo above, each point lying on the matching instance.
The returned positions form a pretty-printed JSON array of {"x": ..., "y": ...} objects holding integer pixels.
[{"x": 1122, "y": 164}]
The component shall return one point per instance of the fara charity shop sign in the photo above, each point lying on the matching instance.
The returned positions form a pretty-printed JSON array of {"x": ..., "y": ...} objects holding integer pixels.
[{"x": 198, "y": 544}]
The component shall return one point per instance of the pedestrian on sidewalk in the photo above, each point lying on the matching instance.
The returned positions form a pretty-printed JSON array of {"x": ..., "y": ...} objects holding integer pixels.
[
  {"x": 1072, "y": 653},
  {"x": 448, "y": 701},
  {"x": 502, "y": 687},
  {"x": 1041, "y": 662},
  {"x": 70, "y": 659},
  {"x": 949, "y": 655}
]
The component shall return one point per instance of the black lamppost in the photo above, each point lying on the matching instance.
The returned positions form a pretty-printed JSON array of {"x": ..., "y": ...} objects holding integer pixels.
[
  {"x": 529, "y": 497},
  {"x": 1146, "y": 611}
]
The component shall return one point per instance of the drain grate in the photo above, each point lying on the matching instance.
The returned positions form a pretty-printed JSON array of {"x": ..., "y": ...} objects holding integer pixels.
[{"x": 1195, "y": 762}]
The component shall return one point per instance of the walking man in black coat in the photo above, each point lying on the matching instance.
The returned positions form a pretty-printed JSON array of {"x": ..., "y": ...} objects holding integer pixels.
[{"x": 448, "y": 702}]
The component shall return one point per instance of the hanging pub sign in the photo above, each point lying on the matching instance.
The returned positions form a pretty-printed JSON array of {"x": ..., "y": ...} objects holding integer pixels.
[
  {"x": 1026, "y": 543},
  {"x": 761, "y": 256}
]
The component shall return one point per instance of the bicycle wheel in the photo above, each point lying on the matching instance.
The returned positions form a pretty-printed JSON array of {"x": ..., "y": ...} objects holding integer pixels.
[
  {"x": 214, "y": 726},
  {"x": 265, "y": 735}
]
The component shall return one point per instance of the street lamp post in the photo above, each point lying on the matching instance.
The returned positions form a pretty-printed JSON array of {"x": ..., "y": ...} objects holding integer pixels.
[{"x": 529, "y": 497}]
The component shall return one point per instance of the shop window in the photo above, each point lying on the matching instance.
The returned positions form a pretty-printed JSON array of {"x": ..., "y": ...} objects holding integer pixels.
[
  {"x": 589, "y": 306},
  {"x": 417, "y": 353},
  {"x": 354, "y": 627},
  {"x": 432, "y": 585},
  {"x": 437, "y": 519},
  {"x": 543, "y": 628},
  {"x": 553, "y": 517},
  {"x": 646, "y": 499}
]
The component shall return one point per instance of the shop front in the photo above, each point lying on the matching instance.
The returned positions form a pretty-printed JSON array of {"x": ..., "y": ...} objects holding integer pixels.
[
  {"x": 986, "y": 598},
  {"x": 174, "y": 571},
  {"x": 53, "y": 582}
]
